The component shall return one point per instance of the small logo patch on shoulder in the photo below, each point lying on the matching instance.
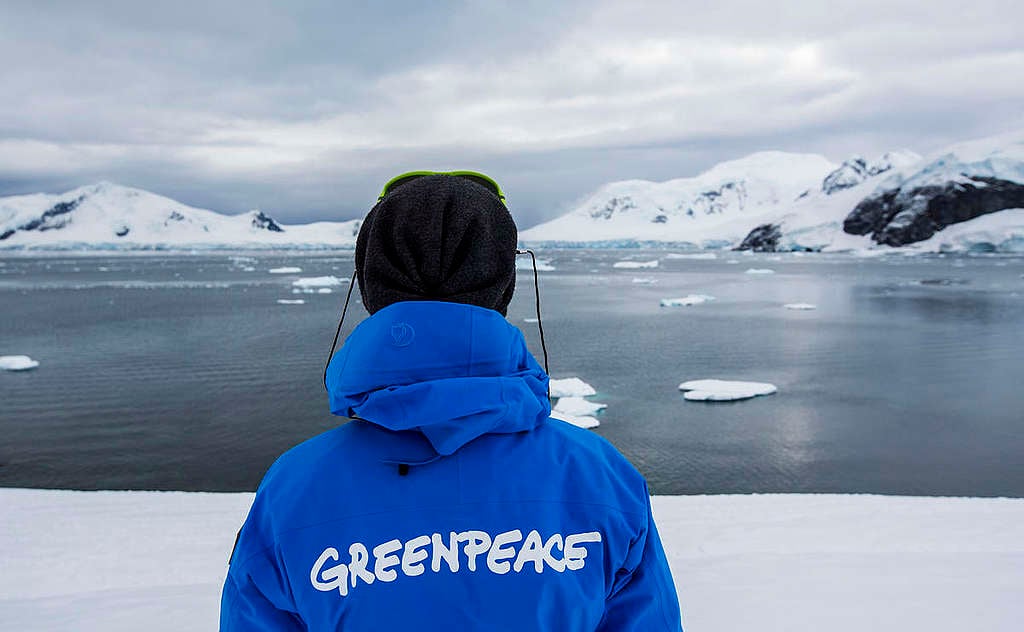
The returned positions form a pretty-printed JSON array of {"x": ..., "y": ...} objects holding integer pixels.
[{"x": 402, "y": 334}]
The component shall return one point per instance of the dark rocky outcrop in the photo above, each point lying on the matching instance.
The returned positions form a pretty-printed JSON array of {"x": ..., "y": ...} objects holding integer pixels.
[
  {"x": 900, "y": 216},
  {"x": 764, "y": 238},
  {"x": 52, "y": 218},
  {"x": 849, "y": 174},
  {"x": 265, "y": 222}
]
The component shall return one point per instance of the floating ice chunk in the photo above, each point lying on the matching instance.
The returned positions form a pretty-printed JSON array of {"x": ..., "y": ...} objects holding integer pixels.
[
  {"x": 700, "y": 256},
  {"x": 800, "y": 306},
  {"x": 724, "y": 390},
  {"x": 571, "y": 387},
  {"x": 248, "y": 269},
  {"x": 760, "y": 271},
  {"x": 733, "y": 262},
  {"x": 285, "y": 270},
  {"x": 582, "y": 422},
  {"x": 531, "y": 320},
  {"x": 321, "y": 281},
  {"x": 578, "y": 406},
  {"x": 633, "y": 265},
  {"x": 324, "y": 290},
  {"x": 17, "y": 363},
  {"x": 686, "y": 301},
  {"x": 644, "y": 280},
  {"x": 290, "y": 301},
  {"x": 543, "y": 265}
]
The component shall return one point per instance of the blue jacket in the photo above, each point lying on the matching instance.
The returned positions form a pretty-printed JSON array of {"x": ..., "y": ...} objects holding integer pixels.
[{"x": 451, "y": 502}]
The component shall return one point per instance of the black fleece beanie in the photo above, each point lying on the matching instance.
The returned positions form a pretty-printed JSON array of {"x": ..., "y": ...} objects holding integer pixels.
[{"x": 437, "y": 238}]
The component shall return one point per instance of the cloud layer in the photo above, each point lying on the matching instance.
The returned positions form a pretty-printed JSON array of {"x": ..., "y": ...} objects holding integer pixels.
[{"x": 305, "y": 109}]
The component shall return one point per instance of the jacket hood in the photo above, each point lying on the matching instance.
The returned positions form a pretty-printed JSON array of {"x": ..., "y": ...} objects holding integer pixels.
[{"x": 450, "y": 371}]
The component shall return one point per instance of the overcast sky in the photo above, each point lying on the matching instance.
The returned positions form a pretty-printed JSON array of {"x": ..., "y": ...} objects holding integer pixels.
[{"x": 304, "y": 109}]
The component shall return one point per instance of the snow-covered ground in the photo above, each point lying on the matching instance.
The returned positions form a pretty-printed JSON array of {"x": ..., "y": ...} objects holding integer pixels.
[{"x": 109, "y": 561}]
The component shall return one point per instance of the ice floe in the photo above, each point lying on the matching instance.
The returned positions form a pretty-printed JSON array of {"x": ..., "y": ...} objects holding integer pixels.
[
  {"x": 578, "y": 406},
  {"x": 571, "y": 387},
  {"x": 686, "y": 301},
  {"x": 760, "y": 271},
  {"x": 17, "y": 363},
  {"x": 713, "y": 390},
  {"x": 324, "y": 290},
  {"x": 644, "y": 280},
  {"x": 285, "y": 270},
  {"x": 543, "y": 265},
  {"x": 634, "y": 265},
  {"x": 321, "y": 281},
  {"x": 290, "y": 301},
  {"x": 700, "y": 256},
  {"x": 585, "y": 421},
  {"x": 800, "y": 306},
  {"x": 531, "y": 320}
]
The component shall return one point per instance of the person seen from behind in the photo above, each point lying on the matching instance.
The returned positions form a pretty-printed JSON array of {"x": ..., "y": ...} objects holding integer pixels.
[{"x": 452, "y": 500}]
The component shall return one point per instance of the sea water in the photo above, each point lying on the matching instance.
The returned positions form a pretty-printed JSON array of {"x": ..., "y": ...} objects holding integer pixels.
[{"x": 188, "y": 372}]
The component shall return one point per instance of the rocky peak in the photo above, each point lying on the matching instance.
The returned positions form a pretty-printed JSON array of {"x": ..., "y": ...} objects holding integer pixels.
[
  {"x": 262, "y": 221},
  {"x": 852, "y": 172}
]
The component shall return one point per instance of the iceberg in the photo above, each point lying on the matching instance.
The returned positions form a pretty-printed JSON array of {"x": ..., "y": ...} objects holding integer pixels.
[
  {"x": 285, "y": 270},
  {"x": 686, "y": 301},
  {"x": 578, "y": 406},
  {"x": 634, "y": 265},
  {"x": 800, "y": 306},
  {"x": 583, "y": 422},
  {"x": 760, "y": 271},
  {"x": 713, "y": 390},
  {"x": 571, "y": 387},
  {"x": 17, "y": 363},
  {"x": 290, "y": 301},
  {"x": 318, "y": 282}
]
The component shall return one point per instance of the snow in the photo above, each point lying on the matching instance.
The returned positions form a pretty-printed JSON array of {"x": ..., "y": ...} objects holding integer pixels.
[
  {"x": 634, "y": 265},
  {"x": 578, "y": 406},
  {"x": 586, "y": 421},
  {"x": 760, "y": 271},
  {"x": 686, "y": 301},
  {"x": 800, "y": 306},
  {"x": 571, "y": 387},
  {"x": 17, "y": 363},
  {"x": 290, "y": 301},
  {"x": 996, "y": 232},
  {"x": 781, "y": 562},
  {"x": 285, "y": 270},
  {"x": 715, "y": 206},
  {"x": 712, "y": 390},
  {"x": 319, "y": 282},
  {"x": 110, "y": 216}
]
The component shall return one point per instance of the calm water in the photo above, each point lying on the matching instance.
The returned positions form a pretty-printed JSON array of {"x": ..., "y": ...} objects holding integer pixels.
[{"x": 183, "y": 372}]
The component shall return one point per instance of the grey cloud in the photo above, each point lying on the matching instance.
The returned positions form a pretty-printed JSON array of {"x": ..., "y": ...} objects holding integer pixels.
[{"x": 304, "y": 109}]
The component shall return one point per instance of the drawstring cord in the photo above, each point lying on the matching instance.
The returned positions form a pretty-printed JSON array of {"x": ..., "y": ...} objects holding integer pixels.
[{"x": 536, "y": 294}]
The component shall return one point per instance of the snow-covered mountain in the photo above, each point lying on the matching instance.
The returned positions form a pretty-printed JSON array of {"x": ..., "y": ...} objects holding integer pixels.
[
  {"x": 719, "y": 205},
  {"x": 107, "y": 215},
  {"x": 957, "y": 185},
  {"x": 781, "y": 201}
]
